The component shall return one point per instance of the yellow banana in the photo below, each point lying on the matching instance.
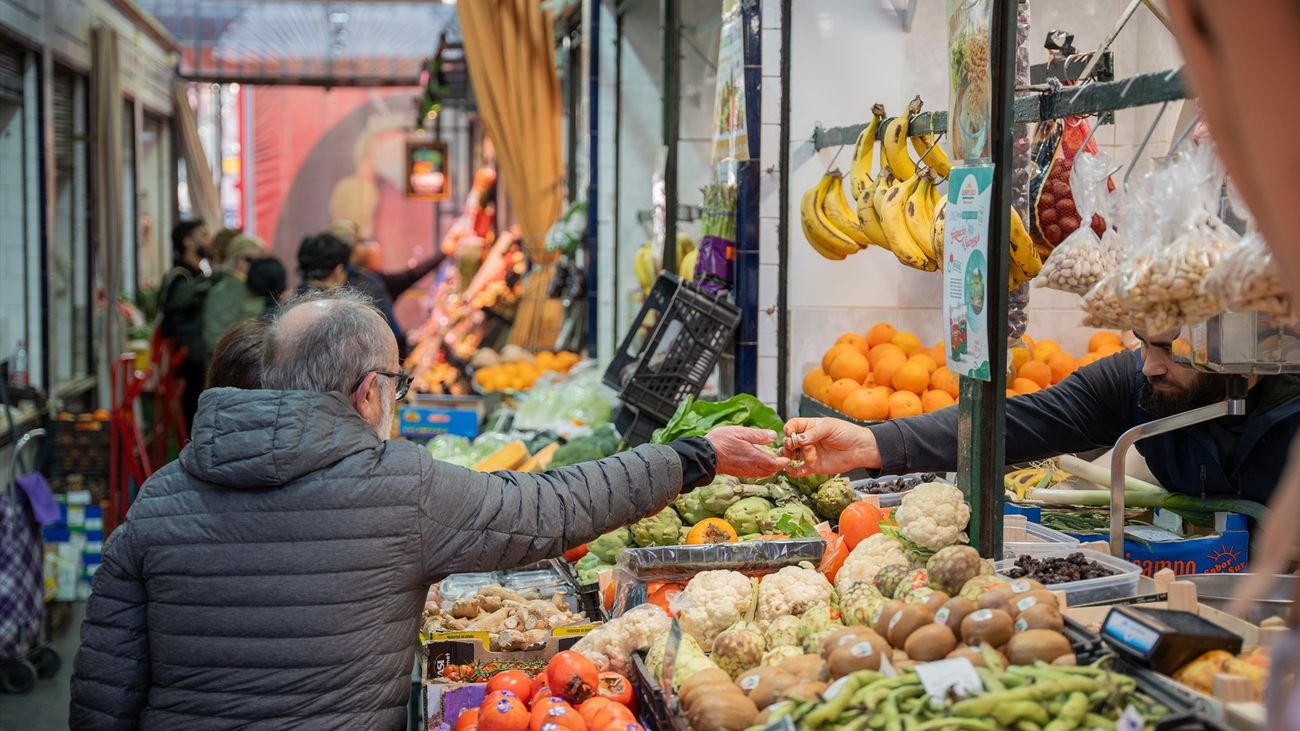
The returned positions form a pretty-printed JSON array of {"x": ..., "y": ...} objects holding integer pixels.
[
  {"x": 894, "y": 221},
  {"x": 646, "y": 266},
  {"x": 824, "y": 238},
  {"x": 1023, "y": 254},
  {"x": 919, "y": 213},
  {"x": 937, "y": 227},
  {"x": 895, "y": 144},
  {"x": 885, "y": 181},
  {"x": 860, "y": 179},
  {"x": 869, "y": 217},
  {"x": 686, "y": 268},
  {"x": 928, "y": 151},
  {"x": 838, "y": 212}
]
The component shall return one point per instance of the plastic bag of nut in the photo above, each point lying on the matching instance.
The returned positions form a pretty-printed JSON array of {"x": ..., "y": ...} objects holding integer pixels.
[
  {"x": 1246, "y": 278},
  {"x": 1083, "y": 257}
]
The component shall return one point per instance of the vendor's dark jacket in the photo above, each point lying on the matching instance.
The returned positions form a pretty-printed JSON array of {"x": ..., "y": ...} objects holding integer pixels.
[
  {"x": 1090, "y": 409},
  {"x": 273, "y": 576}
]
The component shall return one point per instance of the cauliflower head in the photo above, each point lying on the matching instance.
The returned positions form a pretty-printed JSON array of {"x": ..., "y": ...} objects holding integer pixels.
[
  {"x": 933, "y": 515},
  {"x": 792, "y": 590},
  {"x": 868, "y": 558},
  {"x": 610, "y": 646},
  {"x": 715, "y": 600}
]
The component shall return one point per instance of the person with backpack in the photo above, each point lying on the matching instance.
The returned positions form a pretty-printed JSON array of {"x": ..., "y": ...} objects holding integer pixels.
[{"x": 180, "y": 306}]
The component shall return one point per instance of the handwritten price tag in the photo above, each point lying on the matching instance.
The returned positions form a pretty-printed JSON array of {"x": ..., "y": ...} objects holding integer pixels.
[{"x": 943, "y": 677}]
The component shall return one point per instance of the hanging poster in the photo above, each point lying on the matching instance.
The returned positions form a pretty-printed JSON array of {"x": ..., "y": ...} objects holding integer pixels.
[
  {"x": 970, "y": 84},
  {"x": 730, "y": 135},
  {"x": 965, "y": 271},
  {"x": 426, "y": 170}
]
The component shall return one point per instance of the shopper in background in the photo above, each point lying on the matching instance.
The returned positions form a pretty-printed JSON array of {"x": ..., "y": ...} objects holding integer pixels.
[
  {"x": 274, "y": 575},
  {"x": 367, "y": 282},
  {"x": 230, "y": 299},
  {"x": 367, "y": 255},
  {"x": 220, "y": 242},
  {"x": 237, "y": 358},
  {"x": 322, "y": 262},
  {"x": 268, "y": 279},
  {"x": 180, "y": 307},
  {"x": 1237, "y": 457}
]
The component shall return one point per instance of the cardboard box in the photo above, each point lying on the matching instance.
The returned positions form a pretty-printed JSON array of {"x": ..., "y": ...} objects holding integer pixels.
[
  {"x": 1226, "y": 552},
  {"x": 456, "y": 657}
]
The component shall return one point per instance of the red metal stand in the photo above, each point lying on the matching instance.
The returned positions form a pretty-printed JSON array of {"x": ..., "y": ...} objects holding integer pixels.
[
  {"x": 168, "y": 418},
  {"x": 128, "y": 457}
]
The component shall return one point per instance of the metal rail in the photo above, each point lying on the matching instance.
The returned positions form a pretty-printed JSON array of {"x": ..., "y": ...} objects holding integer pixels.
[
  {"x": 1135, "y": 91},
  {"x": 1235, "y": 405}
]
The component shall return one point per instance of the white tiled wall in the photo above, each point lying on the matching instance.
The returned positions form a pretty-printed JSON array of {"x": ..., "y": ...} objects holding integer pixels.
[{"x": 846, "y": 55}]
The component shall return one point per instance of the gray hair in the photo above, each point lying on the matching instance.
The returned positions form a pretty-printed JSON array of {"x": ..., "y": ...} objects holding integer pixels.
[{"x": 330, "y": 352}]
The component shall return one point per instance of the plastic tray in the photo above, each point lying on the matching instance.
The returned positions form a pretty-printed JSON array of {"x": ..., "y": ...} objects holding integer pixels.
[
  {"x": 892, "y": 499},
  {"x": 1038, "y": 535},
  {"x": 691, "y": 330},
  {"x": 1120, "y": 585}
]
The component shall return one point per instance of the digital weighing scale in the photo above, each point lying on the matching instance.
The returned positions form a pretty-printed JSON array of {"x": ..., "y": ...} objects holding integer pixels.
[{"x": 1164, "y": 639}]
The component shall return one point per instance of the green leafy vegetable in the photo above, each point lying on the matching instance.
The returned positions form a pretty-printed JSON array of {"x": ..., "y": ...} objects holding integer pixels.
[{"x": 697, "y": 418}]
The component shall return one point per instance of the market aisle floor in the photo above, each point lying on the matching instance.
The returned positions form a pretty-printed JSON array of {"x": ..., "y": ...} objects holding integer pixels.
[{"x": 46, "y": 707}]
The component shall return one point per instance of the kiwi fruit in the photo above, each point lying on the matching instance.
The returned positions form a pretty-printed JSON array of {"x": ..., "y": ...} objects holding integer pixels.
[
  {"x": 989, "y": 626},
  {"x": 953, "y": 612},
  {"x": 750, "y": 679},
  {"x": 809, "y": 691},
  {"x": 770, "y": 688},
  {"x": 842, "y": 635},
  {"x": 724, "y": 712},
  {"x": 930, "y": 642},
  {"x": 1039, "y": 616},
  {"x": 710, "y": 678},
  {"x": 970, "y": 653},
  {"x": 691, "y": 703},
  {"x": 934, "y": 600},
  {"x": 906, "y": 621},
  {"x": 862, "y": 655},
  {"x": 804, "y": 667},
  {"x": 1038, "y": 596},
  {"x": 1032, "y": 645},
  {"x": 1024, "y": 586},
  {"x": 999, "y": 599},
  {"x": 1069, "y": 660},
  {"x": 884, "y": 613}
]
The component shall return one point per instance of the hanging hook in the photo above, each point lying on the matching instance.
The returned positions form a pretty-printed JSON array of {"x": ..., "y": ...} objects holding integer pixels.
[
  {"x": 834, "y": 157},
  {"x": 1142, "y": 147},
  {"x": 930, "y": 148},
  {"x": 1187, "y": 132}
]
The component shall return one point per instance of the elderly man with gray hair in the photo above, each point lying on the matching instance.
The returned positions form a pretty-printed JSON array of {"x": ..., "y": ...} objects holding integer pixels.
[{"x": 273, "y": 576}]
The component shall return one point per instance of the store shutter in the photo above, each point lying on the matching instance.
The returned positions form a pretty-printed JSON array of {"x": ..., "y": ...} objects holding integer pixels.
[
  {"x": 64, "y": 83},
  {"x": 11, "y": 72}
]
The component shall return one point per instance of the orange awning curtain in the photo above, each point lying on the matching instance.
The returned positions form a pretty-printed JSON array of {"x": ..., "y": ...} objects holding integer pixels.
[{"x": 509, "y": 45}]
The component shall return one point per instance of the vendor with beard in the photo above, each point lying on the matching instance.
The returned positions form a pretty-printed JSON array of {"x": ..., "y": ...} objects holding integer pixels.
[{"x": 1233, "y": 456}]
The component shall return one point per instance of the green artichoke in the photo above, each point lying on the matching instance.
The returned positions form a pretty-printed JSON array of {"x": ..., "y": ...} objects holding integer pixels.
[
  {"x": 725, "y": 491},
  {"x": 589, "y": 568},
  {"x": 808, "y": 485},
  {"x": 746, "y": 514},
  {"x": 833, "y": 497},
  {"x": 660, "y": 529},
  {"x": 690, "y": 505},
  {"x": 797, "y": 511},
  {"x": 606, "y": 547},
  {"x": 682, "y": 534}
]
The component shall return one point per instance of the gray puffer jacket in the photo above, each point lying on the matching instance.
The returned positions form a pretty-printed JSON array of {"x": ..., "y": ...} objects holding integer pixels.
[{"x": 273, "y": 576}]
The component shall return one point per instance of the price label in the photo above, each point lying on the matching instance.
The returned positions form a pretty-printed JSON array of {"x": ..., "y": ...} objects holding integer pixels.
[
  {"x": 1130, "y": 720},
  {"x": 887, "y": 667},
  {"x": 781, "y": 724},
  {"x": 944, "y": 677},
  {"x": 836, "y": 688}
]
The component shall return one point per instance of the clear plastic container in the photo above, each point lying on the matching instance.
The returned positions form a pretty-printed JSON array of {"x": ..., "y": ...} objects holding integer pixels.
[
  {"x": 1036, "y": 534},
  {"x": 1120, "y": 585}
]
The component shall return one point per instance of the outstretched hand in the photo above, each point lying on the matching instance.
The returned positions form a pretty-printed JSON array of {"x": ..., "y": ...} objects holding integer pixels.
[
  {"x": 743, "y": 452},
  {"x": 828, "y": 447}
]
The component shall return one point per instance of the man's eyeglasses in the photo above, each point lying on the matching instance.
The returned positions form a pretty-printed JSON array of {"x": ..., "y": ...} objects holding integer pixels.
[{"x": 402, "y": 377}]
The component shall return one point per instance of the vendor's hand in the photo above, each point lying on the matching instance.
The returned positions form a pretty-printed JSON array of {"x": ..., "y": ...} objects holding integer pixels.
[
  {"x": 741, "y": 452},
  {"x": 828, "y": 447}
]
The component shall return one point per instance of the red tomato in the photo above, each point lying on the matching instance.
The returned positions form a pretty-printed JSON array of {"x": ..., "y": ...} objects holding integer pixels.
[
  {"x": 619, "y": 725},
  {"x": 590, "y": 707},
  {"x": 540, "y": 690},
  {"x": 555, "y": 717},
  {"x": 612, "y": 716},
  {"x": 607, "y": 597},
  {"x": 515, "y": 681},
  {"x": 859, "y": 521},
  {"x": 663, "y": 596},
  {"x": 572, "y": 676},
  {"x": 506, "y": 713},
  {"x": 616, "y": 688},
  {"x": 497, "y": 695},
  {"x": 467, "y": 721},
  {"x": 575, "y": 553}
]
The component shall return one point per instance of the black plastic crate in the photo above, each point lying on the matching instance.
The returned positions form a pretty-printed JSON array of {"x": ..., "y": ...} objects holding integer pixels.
[
  {"x": 78, "y": 446},
  {"x": 688, "y": 331}
]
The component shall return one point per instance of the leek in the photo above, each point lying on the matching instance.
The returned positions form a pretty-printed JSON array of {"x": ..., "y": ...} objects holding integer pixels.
[{"x": 1101, "y": 475}]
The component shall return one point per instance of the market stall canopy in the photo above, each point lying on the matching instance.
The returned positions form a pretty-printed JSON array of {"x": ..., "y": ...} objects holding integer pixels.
[{"x": 359, "y": 43}]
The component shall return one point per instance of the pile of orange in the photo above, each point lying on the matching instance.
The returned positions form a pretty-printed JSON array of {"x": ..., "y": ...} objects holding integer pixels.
[
  {"x": 884, "y": 374},
  {"x": 888, "y": 374},
  {"x": 1043, "y": 364}
]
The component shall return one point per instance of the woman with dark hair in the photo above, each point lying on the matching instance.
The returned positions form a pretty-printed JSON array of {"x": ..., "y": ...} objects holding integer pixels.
[
  {"x": 237, "y": 359},
  {"x": 267, "y": 279}
]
